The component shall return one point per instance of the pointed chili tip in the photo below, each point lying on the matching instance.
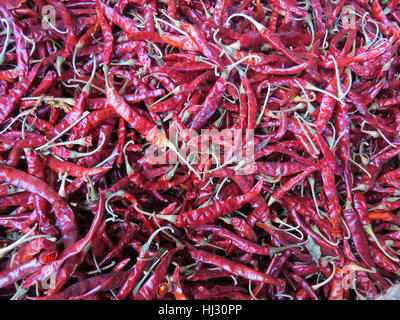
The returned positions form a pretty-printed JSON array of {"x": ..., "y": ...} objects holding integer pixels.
[
  {"x": 356, "y": 267},
  {"x": 348, "y": 205},
  {"x": 271, "y": 201}
]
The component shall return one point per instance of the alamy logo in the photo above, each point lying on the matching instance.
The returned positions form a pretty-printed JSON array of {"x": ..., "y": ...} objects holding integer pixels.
[
  {"x": 48, "y": 277},
  {"x": 348, "y": 17},
  {"x": 233, "y": 148},
  {"x": 48, "y": 17}
]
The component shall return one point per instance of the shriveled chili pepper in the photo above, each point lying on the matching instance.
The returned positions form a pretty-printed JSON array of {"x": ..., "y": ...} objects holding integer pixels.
[
  {"x": 358, "y": 236},
  {"x": 293, "y": 181},
  {"x": 108, "y": 36},
  {"x": 219, "y": 208},
  {"x": 97, "y": 184},
  {"x": 148, "y": 290},
  {"x": 233, "y": 267},
  {"x": 61, "y": 209},
  {"x": 21, "y": 49}
]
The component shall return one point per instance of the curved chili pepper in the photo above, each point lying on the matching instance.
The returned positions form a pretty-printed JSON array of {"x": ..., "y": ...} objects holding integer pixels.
[
  {"x": 88, "y": 286},
  {"x": 107, "y": 35},
  {"x": 293, "y": 181},
  {"x": 16, "y": 273},
  {"x": 217, "y": 209},
  {"x": 21, "y": 49},
  {"x": 73, "y": 169},
  {"x": 234, "y": 267},
  {"x": 32, "y": 184},
  {"x": 358, "y": 236},
  {"x": 148, "y": 290}
]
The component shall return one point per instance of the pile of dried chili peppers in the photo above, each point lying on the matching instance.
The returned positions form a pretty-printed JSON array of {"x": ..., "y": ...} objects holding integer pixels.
[{"x": 88, "y": 87}]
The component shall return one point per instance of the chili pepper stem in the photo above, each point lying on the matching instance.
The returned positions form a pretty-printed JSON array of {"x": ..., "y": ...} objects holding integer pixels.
[
  {"x": 87, "y": 86},
  {"x": 74, "y": 154},
  {"x": 319, "y": 285},
  {"x": 258, "y": 25},
  {"x": 370, "y": 232},
  {"x": 78, "y": 47},
  {"x": 48, "y": 143},
  {"x": 6, "y": 41},
  {"x": 25, "y": 238},
  {"x": 52, "y": 26},
  {"x": 146, "y": 246}
]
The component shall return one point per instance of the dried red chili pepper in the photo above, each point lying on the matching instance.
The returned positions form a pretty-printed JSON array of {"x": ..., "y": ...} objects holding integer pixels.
[
  {"x": 233, "y": 267},
  {"x": 317, "y": 96}
]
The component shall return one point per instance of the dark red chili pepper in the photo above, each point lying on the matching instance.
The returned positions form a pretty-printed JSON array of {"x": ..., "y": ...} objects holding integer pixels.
[
  {"x": 21, "y": 49},
  {"x": 219, "y": 208},
  {"x": 234, "y": 267},
  {"x": 134, "y": 275},
  {"x": 32, "y": 184},
  {"x": 88, "y": 286},
  {"x": 242, "y": 244},
  {"x": 108, "y": 37},
  {"x": 211, "y": 102},
  {"x": 148, "y": 290},
  {"x": 242, "y": 227},
  {"x": 358, "y": 236},
  {"x": 16, "y": 273},
  {"x": 293, "y": 181},
  {"x": 10, "y": 102},
  {"x": 317, "y": 95},
  {"x": 73, "y": 169}
]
